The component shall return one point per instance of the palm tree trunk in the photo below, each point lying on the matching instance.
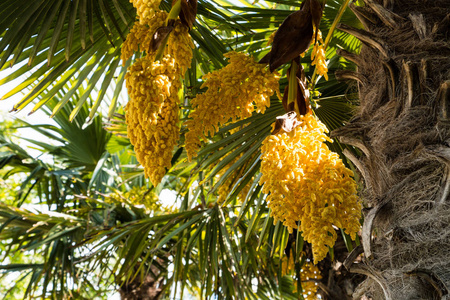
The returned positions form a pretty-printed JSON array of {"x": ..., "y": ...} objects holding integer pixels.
[
  {"x": 403, "y": 131},
  {"x": 151, "y": 287}
]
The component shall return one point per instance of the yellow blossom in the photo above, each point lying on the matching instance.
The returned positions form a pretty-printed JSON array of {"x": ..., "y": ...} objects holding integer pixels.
[
  {"x": 271, "y": 37},
  {"x": 234, "y": 92},
  {"x": 309, "y": 273},
  {"x": 152, "y": 111},
  {"x": 287, "y": 264},
  {"x": 146, "y": 9},
  {"x": 138, "y": 196},
  {"x": 308, "y": 183},
  {"x": 140, "y": 36},
  {"x": 318, "y": 57},
  {"x": 179, "y": 46}
]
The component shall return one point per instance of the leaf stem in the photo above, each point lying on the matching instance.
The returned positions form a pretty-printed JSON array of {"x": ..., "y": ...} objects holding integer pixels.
[
  {"x": 173, "y": 15},
  {"x": 161, "y": 48},
  {"x": 292, "y": 90},
  {"x": 174, "y": 12}
]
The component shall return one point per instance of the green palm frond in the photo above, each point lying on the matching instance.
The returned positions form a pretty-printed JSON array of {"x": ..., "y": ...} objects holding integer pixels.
[
  {"x": 54, "y": 234},
  {"x": 53, "y": 37}
]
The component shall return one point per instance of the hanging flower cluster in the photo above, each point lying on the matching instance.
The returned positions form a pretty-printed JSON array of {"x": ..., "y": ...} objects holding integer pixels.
[
  {"x": 308, "y": 183},
  {"x": 287, "y": 264},
  {"x": 308, "y": 273},
  {"x": 179, "y": 46},
  {"x": 153, "y": 86},
  {"x": 318, "y": 57},
  {"x": 146, "y": 9},
  {"x": 138, "y": 196},
  {"x": 234, "y": 92},
  {"x": 140, "y": 36},
  {"x": 152, "y": 113},
  {"x": 270, "y": 38}
]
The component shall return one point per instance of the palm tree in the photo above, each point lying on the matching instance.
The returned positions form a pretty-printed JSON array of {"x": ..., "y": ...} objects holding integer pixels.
[{"x": 99, "y": 241}]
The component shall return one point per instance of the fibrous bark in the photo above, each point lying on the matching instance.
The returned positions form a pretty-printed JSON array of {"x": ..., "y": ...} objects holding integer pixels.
[
  {"x": 150, "y": 287},
  {"x": 404, "y": 126}
]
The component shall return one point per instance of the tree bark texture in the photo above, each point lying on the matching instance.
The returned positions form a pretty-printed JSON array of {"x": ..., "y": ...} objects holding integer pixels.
[
  {"x": 403, "y": 130},
  {"x": 150, "y": 287}
]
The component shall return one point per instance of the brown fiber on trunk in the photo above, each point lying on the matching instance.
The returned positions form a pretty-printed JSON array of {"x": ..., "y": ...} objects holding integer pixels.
[
  {"x": 403, "y": 130},
  {"x": 150, "y": 287}
]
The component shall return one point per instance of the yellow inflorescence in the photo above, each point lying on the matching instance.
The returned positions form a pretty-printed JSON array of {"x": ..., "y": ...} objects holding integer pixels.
[
  {"x": 146, "y": 9},
  {"x": 287, "y": 265},
  {"x": 138, "y": 196},
  {"x": 153, "y": 86},
  {"x": 308, "y": 274},
  {"x": 318, "y": 57},
  {"x": 140, "y": 36},
  {"x": 271, "y": 37},
  {"x": 307, "y": 182},
  {"x": 179, "y": 46},
  {"x": 152, "y": 113},
  {"x": 234, "y": 92}
]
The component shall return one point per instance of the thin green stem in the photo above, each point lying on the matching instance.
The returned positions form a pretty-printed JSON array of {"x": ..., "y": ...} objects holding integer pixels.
[
  {"x": 173, "y": 15},
  {"x": 292, "y": 90},
  {"x": 161, "y": 48},
  {"x": 329, "y": 36},
  {"x": 174, "y": 12}
]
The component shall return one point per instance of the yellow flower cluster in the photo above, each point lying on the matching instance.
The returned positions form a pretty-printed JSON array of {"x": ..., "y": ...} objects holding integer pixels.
[
  {"x": 318, "y": 57},
  {"x": 271, "y": 37},
  {"x": 179, "y": 46},
  {"x": 152, "y": 113},
  {"x": 309, "y": 287},
  {"x": 153, "y": 86},
  {"x": 308, "y": 273},
  {"x": 140, "y": 36},
  {"x": 146, "y": 9},
  {"x": 234, "y": 92},
  {"x": 287, "y": 264},
  {"x": 138, "y": 196},
  {"x": 307, "y": 182}
]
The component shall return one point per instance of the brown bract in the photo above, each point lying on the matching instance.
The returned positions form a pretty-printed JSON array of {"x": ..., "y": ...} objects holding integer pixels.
[
  {"x": 188, "y": 12},
  {"x": 294, "y": 35},
  {"x": 159, "y": 36},
  {"x": 302, "y": 100}
]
